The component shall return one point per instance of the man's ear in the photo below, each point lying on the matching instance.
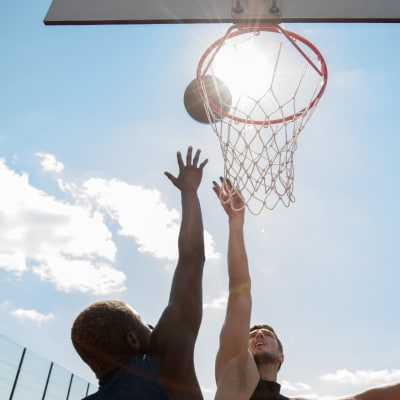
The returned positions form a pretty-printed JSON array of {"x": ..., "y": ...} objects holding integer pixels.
[
  {"x": 281, "y": 358},
  {"x": 132, "y": 340}
]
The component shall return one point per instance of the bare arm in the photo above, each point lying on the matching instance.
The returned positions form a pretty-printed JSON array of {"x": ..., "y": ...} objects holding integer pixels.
[
  {"x": 186, "y": 290},
  {"x": 386, "y": 392},
  {"x": 233, "y": 361},
  {"x": 174, "y": 337}
]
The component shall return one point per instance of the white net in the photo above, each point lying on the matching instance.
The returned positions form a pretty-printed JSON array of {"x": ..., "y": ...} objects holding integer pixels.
[{"x": 275, "y": 80}]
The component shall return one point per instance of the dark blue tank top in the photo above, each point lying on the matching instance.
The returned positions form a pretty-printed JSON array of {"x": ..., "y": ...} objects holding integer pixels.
[
  {"x": 267, "y": 390},
  {"x": 137, "y": 380}
]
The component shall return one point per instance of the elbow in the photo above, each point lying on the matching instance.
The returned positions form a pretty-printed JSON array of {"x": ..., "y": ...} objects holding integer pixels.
[{"x": 193, "y": 255}]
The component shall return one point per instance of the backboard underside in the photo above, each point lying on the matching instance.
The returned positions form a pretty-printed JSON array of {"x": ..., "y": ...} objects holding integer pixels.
[{"x": 86, "y": 12}]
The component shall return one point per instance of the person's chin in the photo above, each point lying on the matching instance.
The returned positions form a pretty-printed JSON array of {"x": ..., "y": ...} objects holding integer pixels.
[{"x": 264, "y": 357}]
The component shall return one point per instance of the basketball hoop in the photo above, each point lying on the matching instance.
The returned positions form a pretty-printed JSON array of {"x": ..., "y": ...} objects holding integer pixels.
[{"x": 276, "y": 79}]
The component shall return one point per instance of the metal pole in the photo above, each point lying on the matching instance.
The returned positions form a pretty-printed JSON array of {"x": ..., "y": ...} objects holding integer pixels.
[
  {"x": 47, "y": 381},
  {"x": 18, "y": 371},
  {"x": 69, "y": 387}
]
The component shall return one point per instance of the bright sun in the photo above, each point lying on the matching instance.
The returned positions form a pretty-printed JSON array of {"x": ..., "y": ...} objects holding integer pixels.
[{"x": 246, "y": 68}]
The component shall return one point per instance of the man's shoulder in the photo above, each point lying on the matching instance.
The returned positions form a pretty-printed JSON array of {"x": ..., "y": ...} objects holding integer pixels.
[{"x": 136, "y": 380}]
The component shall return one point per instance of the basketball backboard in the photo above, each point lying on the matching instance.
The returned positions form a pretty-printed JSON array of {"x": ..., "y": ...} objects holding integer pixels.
[{"x": 83, "y": 12}]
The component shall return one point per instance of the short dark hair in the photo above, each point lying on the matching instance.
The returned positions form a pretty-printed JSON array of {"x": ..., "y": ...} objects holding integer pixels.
[{"x": 99, "y": 335}]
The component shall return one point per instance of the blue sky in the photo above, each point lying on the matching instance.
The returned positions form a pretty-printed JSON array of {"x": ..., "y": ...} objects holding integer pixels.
[{"x": 91, "y": 117}]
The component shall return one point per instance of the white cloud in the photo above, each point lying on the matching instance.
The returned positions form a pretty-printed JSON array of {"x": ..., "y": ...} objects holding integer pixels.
[
  {"x": 360, "y": 379},
  {"x": 208, "y": 391},
  {"x": 209, "y": 245},
  {"x": 87, "y": 276},
  {"x": 13, "y": 261},
  {"x": 141, "y": 214},
  {"x": 364, "y": 377},
  {"x": 69, "y": 244},
  {"x": 49, "y": 162},
  {"x": 217, "y": 303},
  {"x": 294, "y": 387},
  {"x": 31, "y": 315},
  {"x": 5, "y": 305},
  {"x": 66, "y": 243},
  {"x": 300, "y": 389}
]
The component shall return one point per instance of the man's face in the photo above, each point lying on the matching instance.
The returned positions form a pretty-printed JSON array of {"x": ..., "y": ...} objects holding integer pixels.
[{"x": 263, "y": 340}]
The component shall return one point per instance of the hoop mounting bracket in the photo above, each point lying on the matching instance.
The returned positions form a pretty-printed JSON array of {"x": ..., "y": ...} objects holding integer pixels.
[{"x": 256, "y": 9}]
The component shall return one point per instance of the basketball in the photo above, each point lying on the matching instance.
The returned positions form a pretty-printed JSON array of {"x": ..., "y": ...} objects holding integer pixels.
[{"x": 217, "y": 93}]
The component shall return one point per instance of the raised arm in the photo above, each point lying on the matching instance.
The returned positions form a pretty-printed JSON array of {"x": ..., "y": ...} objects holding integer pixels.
[
  {"x": 234, "y": 365},
  {"x": 186, "y": 290},
  {"x": 175, "y": 334}
]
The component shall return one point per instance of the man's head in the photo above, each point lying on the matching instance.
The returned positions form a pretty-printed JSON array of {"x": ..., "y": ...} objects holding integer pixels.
[
  {"x": 265, "y": 345},
  {"x": 107, "y": 334}
]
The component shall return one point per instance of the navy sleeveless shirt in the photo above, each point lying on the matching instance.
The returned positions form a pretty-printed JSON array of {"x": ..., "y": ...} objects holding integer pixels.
[
  {"x": 137, "y": 380},
  {"x": 267, "y": 390}
]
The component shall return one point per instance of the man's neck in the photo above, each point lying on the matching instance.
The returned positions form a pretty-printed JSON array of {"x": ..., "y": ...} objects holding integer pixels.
[
  {"x": 268, "y": 372},
  {"x": 267, "y": 367}
]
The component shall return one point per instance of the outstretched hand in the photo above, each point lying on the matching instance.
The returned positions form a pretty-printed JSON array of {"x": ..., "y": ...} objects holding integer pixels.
[
  {"x": 190, "y": 174},
  {"x": 231, "y": 199}
]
